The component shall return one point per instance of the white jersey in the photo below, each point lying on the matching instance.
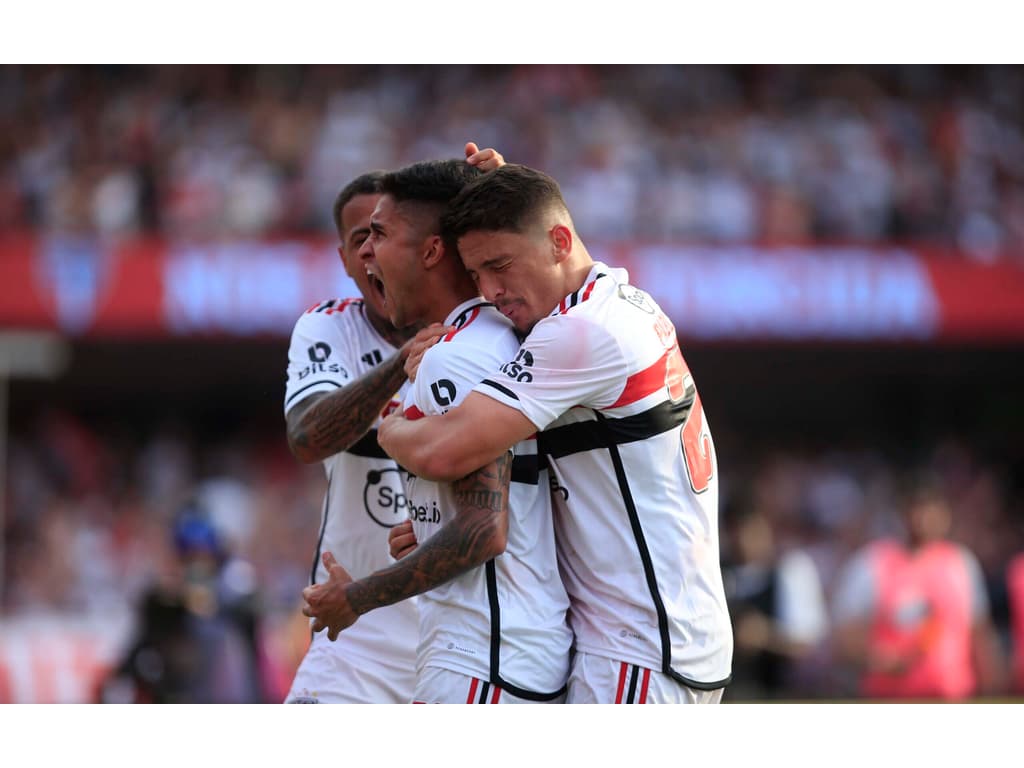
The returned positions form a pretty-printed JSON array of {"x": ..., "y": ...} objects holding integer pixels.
[
  {"x": 504, "y": 621},
  {"x": 635, "y": 479},
  {"x": 333, "y": 344}
]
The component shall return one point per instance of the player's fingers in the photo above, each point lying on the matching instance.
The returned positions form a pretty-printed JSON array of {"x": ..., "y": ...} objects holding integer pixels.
[
  {"x": 307, "y": 610},
  {"x": 329, "y": 560},
  {"x": 431, "y": 334},
  {"x": 402, "y": 546},
  {"x": 319, "y": 626},
  {"x": 332, "y": 634},
  {"x": 487, "y": 159},
  {"x": 404, "y": 552},
  {"x": 471, "y": 149}
]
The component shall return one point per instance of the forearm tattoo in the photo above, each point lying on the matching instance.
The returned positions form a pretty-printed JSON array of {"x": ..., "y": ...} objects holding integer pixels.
[
  {"x": 334, "y": 422},
  {"x": 475, "y": 535}
]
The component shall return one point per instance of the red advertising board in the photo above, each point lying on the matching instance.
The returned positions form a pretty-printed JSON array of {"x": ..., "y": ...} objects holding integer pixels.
[{"x": 152, "y": 289}]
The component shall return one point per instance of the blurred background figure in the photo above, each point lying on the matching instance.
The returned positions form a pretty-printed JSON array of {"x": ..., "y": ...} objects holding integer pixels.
[
  {"x": 913, "y": 615},
  {"x": 197, "y": 627},
  {"x": 777, "y": 607}
]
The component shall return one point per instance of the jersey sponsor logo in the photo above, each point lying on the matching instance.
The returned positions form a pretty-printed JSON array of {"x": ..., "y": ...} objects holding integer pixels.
[
  {"x": 637, "y": 298},
  {"x": 322, "y": 368},
  {"x": 421, "y": 513},
  {"x": 517, "y": 368},
  {"x": 373, "y": 357},
  {"x": 449, "y": 392},
  {"x": 319, "y": 352},
  {"x": 385, "y": 504}
]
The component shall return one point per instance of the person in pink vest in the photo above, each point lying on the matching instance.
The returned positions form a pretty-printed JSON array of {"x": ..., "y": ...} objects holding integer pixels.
[
  {"x": 912, "y": 617},
  {"x": 1015, "y": 593}
]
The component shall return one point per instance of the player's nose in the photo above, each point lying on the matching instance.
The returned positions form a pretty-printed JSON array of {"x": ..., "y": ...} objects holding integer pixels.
[
  {"x": 490, "y": 288},
  {"x": 365, "y": 252}
]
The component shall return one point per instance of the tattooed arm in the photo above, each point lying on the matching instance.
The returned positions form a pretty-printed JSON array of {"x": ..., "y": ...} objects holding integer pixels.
[
  {"x": 325, "y": 424},
  {"x": 477, "y": 533}
]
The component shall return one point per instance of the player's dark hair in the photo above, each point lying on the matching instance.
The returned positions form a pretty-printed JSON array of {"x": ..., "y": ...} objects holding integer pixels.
[
  {"x": 432, "y": 183},
  {"x": 367, "y": 184},
  {"x": 507, "y": 199}
]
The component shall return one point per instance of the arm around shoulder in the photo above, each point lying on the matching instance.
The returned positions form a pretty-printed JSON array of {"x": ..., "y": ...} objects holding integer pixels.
[{"x": 447, "y": 448}]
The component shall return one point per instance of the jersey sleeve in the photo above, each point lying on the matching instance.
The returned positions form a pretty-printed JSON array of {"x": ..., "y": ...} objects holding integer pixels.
[
  {"x": 449, "y": 372},
  {"x": 566, "y": 361},
  {"x": 319, "y": 359}
]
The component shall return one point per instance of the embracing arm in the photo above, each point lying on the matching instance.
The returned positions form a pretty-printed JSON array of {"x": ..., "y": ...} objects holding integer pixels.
[
  {"x": 477, "y": 533},
  {"x": 323, "y": 425},
  {"x": 444, "y": 448}
]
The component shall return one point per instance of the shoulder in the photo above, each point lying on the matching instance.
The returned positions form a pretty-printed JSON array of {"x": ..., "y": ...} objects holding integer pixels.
[{"x": 330, "y": 314}]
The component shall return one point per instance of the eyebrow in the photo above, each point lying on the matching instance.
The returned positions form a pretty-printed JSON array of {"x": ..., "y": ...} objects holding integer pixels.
[
  {"x": 495, "y": 259},
  {"x": 375, "y": 226}
]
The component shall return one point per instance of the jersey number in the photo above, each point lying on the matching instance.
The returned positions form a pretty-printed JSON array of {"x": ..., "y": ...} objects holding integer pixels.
[{"x": 695, "y": 441}]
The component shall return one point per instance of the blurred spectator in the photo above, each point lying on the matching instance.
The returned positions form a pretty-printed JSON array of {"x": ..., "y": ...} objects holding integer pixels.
[
  {"x": 933, "y": 155},
  {"x": 197, "y": 636},
  {"x": 913, "y": 616},
  {"x": 1015, "y": 590},
  {"x": 776, "y": 604}
]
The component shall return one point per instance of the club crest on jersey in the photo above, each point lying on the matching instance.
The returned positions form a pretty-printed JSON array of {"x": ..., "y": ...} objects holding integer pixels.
[
  {"x": 383, "y": 497},
  {"x": 637, "y": 298}
]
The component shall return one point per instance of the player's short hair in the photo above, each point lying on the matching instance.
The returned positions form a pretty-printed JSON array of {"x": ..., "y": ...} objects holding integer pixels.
[
  {"x": 507, "y": 199},
  {"x": 367, "y": 184},
  {"x": 432, "y": 184}
]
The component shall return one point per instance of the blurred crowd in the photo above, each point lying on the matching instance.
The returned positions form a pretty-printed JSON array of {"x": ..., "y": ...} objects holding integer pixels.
[
  {"x": 786, "y": 154},
  {"x": 193, "y": 538}
]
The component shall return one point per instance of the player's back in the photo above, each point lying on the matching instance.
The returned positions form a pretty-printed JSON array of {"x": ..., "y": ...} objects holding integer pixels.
[{"x": 504, "y": 621}]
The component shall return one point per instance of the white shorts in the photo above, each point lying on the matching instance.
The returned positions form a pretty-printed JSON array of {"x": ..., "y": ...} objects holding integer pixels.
[
  {"x": 443, "y": 686},
  {"x": 331, "y": 673},
  {"x": 597, "y": 680}
]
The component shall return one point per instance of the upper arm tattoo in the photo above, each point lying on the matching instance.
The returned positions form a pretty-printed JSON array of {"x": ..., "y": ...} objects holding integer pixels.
[
  {"x": 333, "y": 422},
  {"x": 475, "y": 535}
]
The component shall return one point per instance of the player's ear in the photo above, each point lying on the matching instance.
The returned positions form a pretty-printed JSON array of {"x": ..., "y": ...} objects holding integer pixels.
[
  {"x": 561, "y": 242},
  {"x": 433, "y": 251}
]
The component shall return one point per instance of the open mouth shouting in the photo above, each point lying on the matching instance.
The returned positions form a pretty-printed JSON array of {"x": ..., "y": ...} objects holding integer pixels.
[{"x": 377, "y": 285}]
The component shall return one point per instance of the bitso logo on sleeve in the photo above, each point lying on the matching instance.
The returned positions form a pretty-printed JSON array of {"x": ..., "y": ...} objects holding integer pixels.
[
  {"x": 517, "y": 368},
  {"x": 319, "y": 352},
  {"x": 446, "y": 398},
  {"x": 318, "y": 355}
]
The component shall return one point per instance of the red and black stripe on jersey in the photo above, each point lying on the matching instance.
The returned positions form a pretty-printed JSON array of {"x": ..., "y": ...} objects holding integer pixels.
[
  {"x": 333, "y": 305},
  {"x": 466, "y": 316},
  {"x": 576, "y": 297}
]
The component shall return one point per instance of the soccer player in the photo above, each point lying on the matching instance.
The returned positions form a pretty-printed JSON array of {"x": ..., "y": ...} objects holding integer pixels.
[
  {"x": 633, "y": 463},
  {"x": 345, "y": 369},
  {"x": 493, "y": 626}
]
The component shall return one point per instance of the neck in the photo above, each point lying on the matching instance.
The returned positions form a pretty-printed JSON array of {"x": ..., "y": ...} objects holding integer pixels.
[
  {"x": 396, "y": 337},
  {"x": 577, "y": 269},
  {"x": 446, "y": 292}
]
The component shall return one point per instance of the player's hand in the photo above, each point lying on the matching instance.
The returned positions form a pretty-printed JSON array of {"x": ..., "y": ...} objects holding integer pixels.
[
  {"x": 328, "y": 602},
  {"x": 415, "y": 347},
  {"x": 401, "y": 539},
  {"x": 484, "y": 159}
]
